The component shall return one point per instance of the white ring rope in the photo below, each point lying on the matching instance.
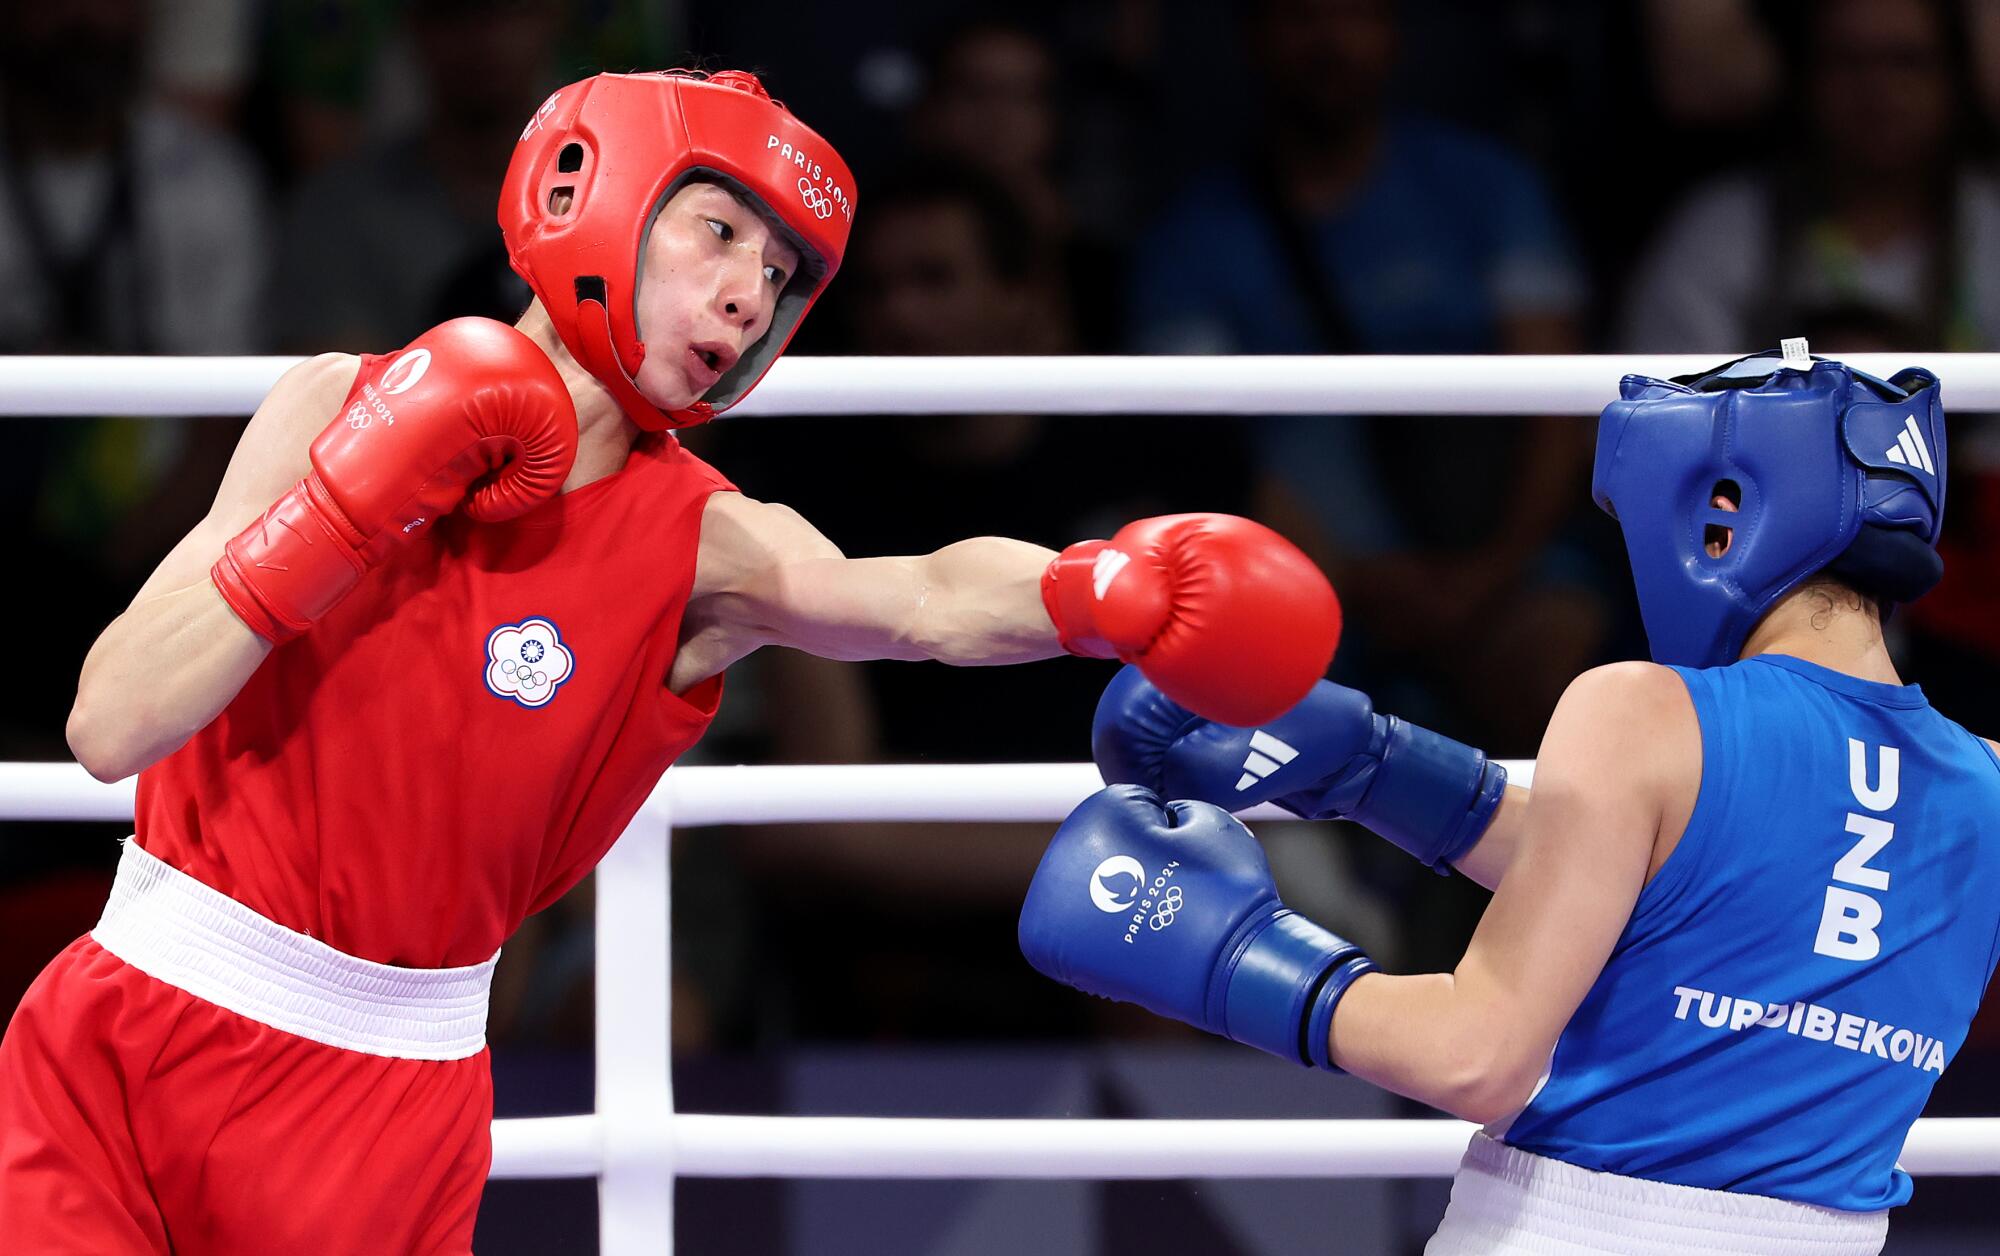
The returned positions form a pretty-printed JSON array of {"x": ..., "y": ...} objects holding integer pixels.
[
  {"x": 915, "y": 1147},
  {"x": 1365, "y": 384},
  {"x": 881, "y": 793}
]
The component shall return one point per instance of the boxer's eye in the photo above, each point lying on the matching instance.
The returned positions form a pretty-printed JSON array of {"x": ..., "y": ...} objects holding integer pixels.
[
  {"x": 722, "y": 230},
  {"x": 776, "y": 274}
]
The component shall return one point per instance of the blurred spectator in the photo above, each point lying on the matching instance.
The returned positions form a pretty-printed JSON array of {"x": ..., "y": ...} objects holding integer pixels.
[
  {"x": 990, "y": 103},
  {"x": 1878, "y": 204},
  {"x": 1712, "y": 61},
  {"x": 339, "y": 74},
  {"x": 124, "y": 227},
  {"x": 322, "y": 60},
  {"x": 941, "y": 263},
  {"x": 944, "y": 262},
  {"x": 201, "y": 55},
  {"x": 1347, "y": 227},
  {"x": 382, "y": 245}
]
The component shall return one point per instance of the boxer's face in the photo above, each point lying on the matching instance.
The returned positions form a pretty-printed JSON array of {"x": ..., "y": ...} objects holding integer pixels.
[{"x": 708, "y": 284}]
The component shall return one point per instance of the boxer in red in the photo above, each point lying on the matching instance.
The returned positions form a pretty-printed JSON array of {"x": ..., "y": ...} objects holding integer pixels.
[{"x": 453, "y": 612}]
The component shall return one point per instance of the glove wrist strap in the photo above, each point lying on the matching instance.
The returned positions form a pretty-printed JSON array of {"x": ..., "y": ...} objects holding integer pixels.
[
  {"x": 1432, "y": 796},
  {"x": 1066, "y": 595},
  {"x": 291, "y": 566},
  {"x": 1319, "y": 1023},
  {"x": 1269, "y": 988}
]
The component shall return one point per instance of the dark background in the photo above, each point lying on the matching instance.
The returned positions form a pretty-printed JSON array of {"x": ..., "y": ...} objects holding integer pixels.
[{"x": 1103, "y": 176}]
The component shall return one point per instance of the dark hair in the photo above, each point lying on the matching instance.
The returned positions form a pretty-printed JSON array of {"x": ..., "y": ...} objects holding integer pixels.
[
  {"x": 1834, "y": 591},
  {"x": 1005, "y": 238}
]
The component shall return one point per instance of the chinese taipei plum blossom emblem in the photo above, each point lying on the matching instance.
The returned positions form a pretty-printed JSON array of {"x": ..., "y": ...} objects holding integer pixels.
[{"x": 527, "y": 662}]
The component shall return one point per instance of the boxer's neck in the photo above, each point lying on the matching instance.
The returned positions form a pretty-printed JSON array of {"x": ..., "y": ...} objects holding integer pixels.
[
  {"x": 1830, "y": 625},
  {"x": 604, "y": 435}
]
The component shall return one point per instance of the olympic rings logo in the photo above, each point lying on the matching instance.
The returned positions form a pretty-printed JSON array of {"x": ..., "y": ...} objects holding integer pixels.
[
  {"x": 815, "y": 200},
  {"x": 1170, "y": 906}
]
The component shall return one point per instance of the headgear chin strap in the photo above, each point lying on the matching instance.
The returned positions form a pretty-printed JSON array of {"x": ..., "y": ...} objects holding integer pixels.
[
  {"x": 1832, "y": 470},
  {"x": 593, "y": 168}
]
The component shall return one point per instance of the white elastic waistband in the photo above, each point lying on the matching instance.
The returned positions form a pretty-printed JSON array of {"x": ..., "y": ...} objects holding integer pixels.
[
  {"x": 1509, "y": 1202},
  {"x": 170, "y": 926}
]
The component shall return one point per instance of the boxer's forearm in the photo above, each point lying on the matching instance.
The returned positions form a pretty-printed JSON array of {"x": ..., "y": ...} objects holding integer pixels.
[
  {"x": 971, "y": 604},
  {"x": 1487, "y": 862},
  {"x": 1424, "y": 1038},
  {"x": 980, "y": 603},
  {"x": 765, "y": 576},
  {"x": 157, "y": 675}
]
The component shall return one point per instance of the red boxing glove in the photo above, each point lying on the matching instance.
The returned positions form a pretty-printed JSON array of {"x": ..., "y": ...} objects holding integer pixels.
[
  {"x": 1227, "y": 617},
  {"x": 469, "y": 402}
]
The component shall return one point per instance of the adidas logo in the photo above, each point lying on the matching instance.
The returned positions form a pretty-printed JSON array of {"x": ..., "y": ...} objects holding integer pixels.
[
  {"x": 1102, "y": 572},
  {"x": 1910, "y": 449},
  {"x": 1267, "y": 755}
]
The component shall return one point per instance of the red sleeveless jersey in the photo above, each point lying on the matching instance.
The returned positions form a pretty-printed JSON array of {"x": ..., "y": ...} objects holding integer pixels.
[{"x": 463, "y": 737}]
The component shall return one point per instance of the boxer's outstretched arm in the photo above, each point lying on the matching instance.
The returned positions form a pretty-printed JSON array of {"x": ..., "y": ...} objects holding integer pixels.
[
  {"x": 767, "y": 577},
  {"x": 1622, "y": 751},
  {"x": 178, "y": 655},
  {"x": 1223, "y": 614}
]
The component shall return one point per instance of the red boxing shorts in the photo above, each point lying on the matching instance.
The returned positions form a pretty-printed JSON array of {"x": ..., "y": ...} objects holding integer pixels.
[{"x": 192, "y": 1077}]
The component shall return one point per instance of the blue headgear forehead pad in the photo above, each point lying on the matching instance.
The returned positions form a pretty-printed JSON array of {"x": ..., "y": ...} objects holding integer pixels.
[{"x": 1828, "y": 468}]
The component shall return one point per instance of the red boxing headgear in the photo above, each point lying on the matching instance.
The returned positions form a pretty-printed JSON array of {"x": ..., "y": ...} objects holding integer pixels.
[{"x": 593, "y": 168}]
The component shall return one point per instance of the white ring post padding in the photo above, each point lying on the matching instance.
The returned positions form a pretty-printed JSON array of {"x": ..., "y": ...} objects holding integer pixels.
[
  {"x": 634, "y": 1066},
  {"x": 1363, "y": 384}
]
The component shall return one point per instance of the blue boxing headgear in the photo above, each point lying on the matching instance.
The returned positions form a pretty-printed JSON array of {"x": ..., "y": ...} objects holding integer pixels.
[{"x": 1832, "y": 470}]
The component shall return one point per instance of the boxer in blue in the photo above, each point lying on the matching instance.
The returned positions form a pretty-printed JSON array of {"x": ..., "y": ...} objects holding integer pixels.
[{"x": 1740, "y": 923}]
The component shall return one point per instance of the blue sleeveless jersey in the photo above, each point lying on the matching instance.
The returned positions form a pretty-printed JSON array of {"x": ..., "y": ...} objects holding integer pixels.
[{"x": 1804, "y": 965}]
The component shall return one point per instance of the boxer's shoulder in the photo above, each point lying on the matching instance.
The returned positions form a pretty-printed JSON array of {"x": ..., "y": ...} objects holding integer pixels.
[
  {"x": 1627, "y": 693},
  {"x": 742, "y": 539},
  {"x": 271, "y": 454},
  {"x": 304, "y": 399},
  {"x": 324, "y": 376},
  {"x": 1629, "y": 729}
]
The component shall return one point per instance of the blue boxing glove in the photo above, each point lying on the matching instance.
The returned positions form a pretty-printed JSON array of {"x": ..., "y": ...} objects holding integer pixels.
[
  {"x": 1328, "y": 758},
  {"x": 1171, "y": 906}
]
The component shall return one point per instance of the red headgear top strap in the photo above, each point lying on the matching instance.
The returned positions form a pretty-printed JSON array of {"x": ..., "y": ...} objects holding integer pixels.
[{"x": 594, "y": 166}]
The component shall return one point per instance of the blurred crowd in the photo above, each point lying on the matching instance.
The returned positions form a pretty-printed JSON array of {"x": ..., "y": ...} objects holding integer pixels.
[{"x": 1098, "y": 176}]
